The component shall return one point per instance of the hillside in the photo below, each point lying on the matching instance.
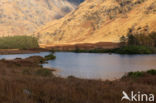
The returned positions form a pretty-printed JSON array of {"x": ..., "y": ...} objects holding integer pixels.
[
  {"x": 20, "y": 17},
  {"x": 100, "y": 21}
]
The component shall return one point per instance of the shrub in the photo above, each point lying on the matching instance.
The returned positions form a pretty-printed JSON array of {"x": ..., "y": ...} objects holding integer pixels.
[
  {"x": 135, "y": 74},
  {"x": 152, "y": 72},
  {"x": 139, "y": 74},
  {"x": 50, "y": 57}
]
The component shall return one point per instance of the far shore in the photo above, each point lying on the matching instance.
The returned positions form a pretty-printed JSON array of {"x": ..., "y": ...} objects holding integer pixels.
[
  {"x": 82, "y": 46},
  {"x": 99, "y": 47},
  {"x": 19, "y": 51},
  {"x": 61, "y": 47}
]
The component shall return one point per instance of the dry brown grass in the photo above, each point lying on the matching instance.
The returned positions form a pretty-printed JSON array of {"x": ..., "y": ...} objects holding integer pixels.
[
  {"x": 19, "y": 87},
  {"x": 81, "y": 46}
]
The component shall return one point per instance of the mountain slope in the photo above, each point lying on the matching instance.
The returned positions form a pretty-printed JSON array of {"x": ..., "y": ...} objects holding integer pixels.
[
  {"x": 100, "y": 21},
  {"x": 19, "y": 17}
]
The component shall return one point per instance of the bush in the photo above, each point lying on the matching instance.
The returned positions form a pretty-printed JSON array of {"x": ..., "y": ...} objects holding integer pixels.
[
  {"x": 152, "y": 72},
  {"x": 18, "y": 42},
  {"x": 50, "y": 57},
  {"x": 135, "y": 74}
]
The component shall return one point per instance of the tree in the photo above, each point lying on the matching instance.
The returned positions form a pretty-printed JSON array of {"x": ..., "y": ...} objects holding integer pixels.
[
  {"x": 153, "y": 37},
  {"x": 132, "y": 40},
  {"x": 123, "y": 40}
]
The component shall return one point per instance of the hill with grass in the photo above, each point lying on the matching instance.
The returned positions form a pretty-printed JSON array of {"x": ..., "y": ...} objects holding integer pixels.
[
  {"x": 100, "y": 21},
  {"x": 20, "y": 17}
]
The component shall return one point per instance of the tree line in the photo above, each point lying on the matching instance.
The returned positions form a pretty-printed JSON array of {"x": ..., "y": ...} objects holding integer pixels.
[{"x": 139, "y": 39}]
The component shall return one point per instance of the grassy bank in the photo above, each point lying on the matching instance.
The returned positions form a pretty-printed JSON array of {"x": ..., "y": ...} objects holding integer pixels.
[
  {"x": 24, "y": 81},
  {"x": 122, "y": 50},
  {"x": 18, "y": 42}
]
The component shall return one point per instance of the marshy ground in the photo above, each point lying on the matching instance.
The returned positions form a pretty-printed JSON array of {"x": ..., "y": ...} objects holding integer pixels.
[{"x": 25, "y": 81}]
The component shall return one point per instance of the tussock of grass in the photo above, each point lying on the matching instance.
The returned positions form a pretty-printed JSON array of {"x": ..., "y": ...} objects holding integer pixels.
[
  {"x": 50, "y": 57},
  {"x": 18, "y": 42}
]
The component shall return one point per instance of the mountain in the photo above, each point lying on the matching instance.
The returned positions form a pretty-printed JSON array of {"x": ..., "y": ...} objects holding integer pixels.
[
  {"x": 100, "y": 21},
  {"x": 20, "y": 17}
]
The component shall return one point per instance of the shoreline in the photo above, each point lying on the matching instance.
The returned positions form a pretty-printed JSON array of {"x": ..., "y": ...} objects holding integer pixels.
[
  {"x": 61, "y": 47},
  {"x": 19, "y": 51},
  {"x": 99, "y": 47},
  {"x": 83, "y": 46}
]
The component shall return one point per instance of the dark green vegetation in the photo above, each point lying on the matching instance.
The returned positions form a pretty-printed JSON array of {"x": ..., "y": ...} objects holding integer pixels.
[
  {"x": 98, "y": 50},
  {"x": 131, "y": 44},
  {"x": 130, "y": 49},
  {"x": 140, "y": 74},
  {"x": 18, "y": 42},
  {"x": 139, "y": 39},
  {"x": 135, "y": 49},
  {"x": 50, "y": 57},
  {"x": 25, "y": 81},
  {"x": 138, "y": 43}
]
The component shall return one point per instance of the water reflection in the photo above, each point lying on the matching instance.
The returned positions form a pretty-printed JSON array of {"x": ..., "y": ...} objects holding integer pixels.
[
  {"x": 100, "y": 66},
  {"x": 14, "y": 56}
]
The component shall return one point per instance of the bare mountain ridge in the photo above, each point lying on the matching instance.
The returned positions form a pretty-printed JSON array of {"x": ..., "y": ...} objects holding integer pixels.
[
  {"x": 20, "y": 17},
  {"x": 100, "y": 21}
]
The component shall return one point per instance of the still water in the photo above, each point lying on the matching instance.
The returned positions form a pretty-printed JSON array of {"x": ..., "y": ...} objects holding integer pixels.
[
  {"x": 93, "y": 65},
  {"x": 100, "y": 66},
  {"x": 14, "y": 56}
]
